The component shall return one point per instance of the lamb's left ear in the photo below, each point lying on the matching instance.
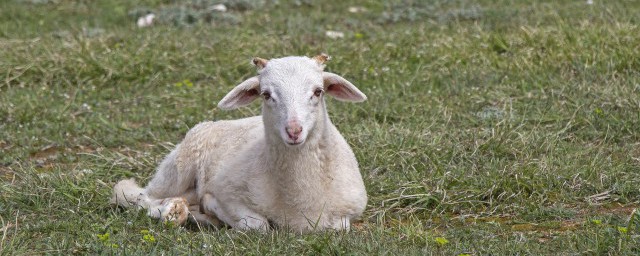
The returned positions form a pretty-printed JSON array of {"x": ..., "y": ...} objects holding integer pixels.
[
  {"x": 341, "y": 89},
  {"x": 241, "y": 95}
]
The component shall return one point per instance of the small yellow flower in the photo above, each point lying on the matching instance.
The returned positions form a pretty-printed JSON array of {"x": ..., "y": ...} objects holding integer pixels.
[
  {"x": 104, "y": 237},
  {"x": 185, "y": 82},
  {"x": 597, "y": 222},
  {"x": 441, "y": 241},
  {"x": 149, "y": 238},
  {"x": 622, "y": 230},
  {"x": 598, "y": 111}
]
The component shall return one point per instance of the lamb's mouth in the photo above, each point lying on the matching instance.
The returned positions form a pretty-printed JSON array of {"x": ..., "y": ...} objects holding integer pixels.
[{"x": 294, "y": 143}]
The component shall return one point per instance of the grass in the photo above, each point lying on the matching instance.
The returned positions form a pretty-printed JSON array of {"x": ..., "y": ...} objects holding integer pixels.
[{"x": 492, "y": 127}]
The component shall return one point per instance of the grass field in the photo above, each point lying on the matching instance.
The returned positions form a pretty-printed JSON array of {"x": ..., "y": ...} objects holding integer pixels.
[{"x": 492, "y": 127}]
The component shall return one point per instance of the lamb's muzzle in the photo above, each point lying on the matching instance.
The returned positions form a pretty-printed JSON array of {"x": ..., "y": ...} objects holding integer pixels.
[{"x": 293, "y": 130}]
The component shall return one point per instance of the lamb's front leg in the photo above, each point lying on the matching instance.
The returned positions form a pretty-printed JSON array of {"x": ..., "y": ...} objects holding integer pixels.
[
  {"x": 341, "y": 223},
  {"x": 234, "y": 213}
]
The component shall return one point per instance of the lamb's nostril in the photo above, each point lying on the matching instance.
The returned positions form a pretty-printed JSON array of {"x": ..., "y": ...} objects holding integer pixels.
[
  {"x": 297, "y": 130},
  {"x": 294, "y": 131}
]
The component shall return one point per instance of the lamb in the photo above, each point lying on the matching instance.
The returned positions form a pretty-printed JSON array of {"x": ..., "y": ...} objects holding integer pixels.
[{"x": 288, "y": 168}]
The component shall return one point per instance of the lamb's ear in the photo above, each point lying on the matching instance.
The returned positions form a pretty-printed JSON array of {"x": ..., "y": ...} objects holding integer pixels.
[
  {"x": 241, "y": 95},
  {"x": 341, "y": 89}
]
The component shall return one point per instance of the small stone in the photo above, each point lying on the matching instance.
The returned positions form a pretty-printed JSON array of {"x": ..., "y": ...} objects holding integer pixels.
[
  {"x": 218, "y": 8},
  {"x": 146, "y": 20},
  {"x": 334, "y": 34}
]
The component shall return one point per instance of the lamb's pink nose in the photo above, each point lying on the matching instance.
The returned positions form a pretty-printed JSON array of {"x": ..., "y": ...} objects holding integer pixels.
[{"x": 293, "y": 130}]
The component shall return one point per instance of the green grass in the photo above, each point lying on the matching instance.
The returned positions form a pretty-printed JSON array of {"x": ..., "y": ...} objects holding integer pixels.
[{"x": 492, "y": 127}]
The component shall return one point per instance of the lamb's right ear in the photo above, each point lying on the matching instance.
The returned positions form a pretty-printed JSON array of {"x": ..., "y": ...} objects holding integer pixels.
[{"x": 241, "y": 95}]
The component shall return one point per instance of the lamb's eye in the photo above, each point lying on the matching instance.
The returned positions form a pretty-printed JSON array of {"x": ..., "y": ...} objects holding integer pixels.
[
  {"x": 317, "y": 92},
  {"x": 266, "y": 95}
]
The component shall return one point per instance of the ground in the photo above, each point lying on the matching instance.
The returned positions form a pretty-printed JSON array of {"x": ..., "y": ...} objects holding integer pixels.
[{"x": 491, "y": 128}]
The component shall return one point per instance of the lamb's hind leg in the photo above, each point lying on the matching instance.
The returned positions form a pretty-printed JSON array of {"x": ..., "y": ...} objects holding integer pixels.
[
  {"x": 171, "y": 181},
  {"x": 127, "y": 193},
  {"x": 167, "y": 196}
]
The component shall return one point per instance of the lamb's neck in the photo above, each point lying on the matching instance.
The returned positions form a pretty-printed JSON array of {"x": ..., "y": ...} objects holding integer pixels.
[
  {"x": 306, "y": 159},
  {"x": 301, "y": 172}
]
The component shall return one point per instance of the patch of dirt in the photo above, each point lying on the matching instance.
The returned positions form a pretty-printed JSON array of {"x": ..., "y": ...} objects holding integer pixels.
[
  {"x": 6, "y": 173},
  {"x": 49, "y": 152},
  {"x": 614, "y": 208},
  {"x": 358, "y": 225},
  {"x": 85, "y": 149}
]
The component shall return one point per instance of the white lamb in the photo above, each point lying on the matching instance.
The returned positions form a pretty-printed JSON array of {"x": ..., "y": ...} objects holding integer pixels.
[{"x": 289, "y": 167}]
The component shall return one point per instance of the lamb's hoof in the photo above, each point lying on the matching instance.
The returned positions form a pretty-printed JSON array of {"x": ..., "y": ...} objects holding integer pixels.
[{"x": 175, "y": 210}]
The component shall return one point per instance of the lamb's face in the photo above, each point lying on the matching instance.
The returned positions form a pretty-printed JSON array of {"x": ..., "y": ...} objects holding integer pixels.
[{"x": 292, "y": 89}]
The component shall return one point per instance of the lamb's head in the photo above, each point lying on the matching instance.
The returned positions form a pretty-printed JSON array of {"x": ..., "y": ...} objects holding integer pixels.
[{"x": 292, "y": 89}]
